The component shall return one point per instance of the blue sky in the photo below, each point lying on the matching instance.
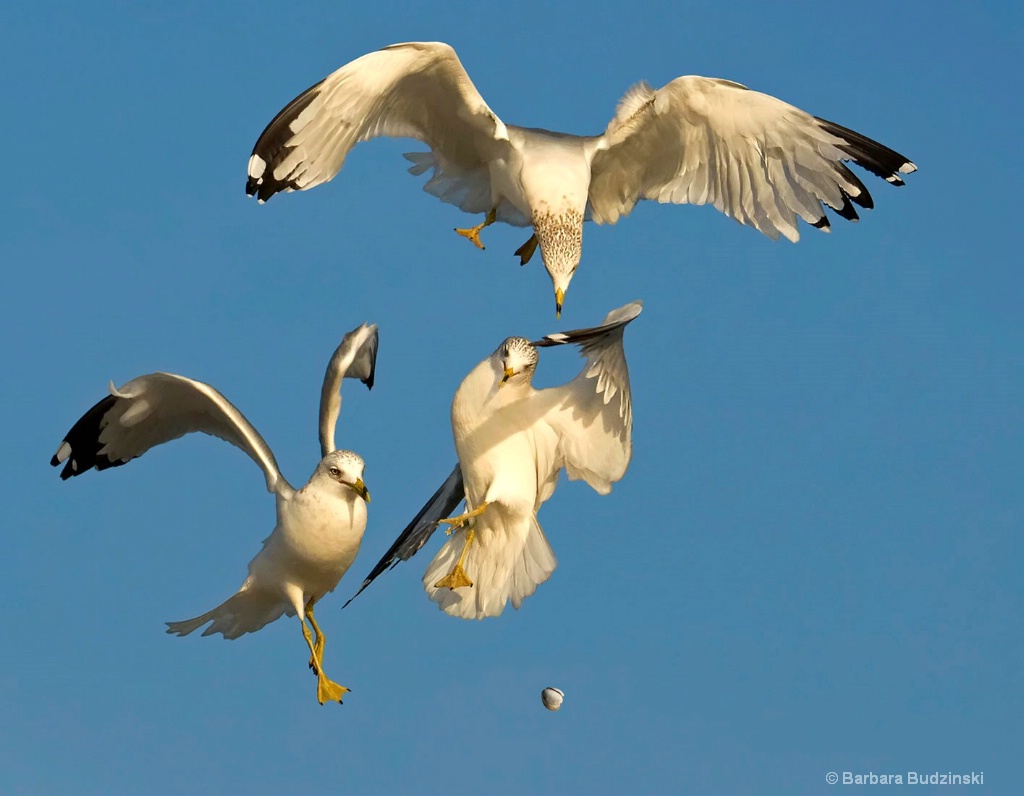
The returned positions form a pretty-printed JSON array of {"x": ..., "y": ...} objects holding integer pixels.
[{"x": 813, "y": 563}]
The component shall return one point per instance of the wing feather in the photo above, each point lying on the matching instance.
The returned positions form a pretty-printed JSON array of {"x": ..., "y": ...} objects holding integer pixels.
[
  {"x": 415, "y": 90},
  {"x": 441, "y": 504},
  {"x": 355, "y": 358},
  {"x": 154, "y": 409},
  {"x": 755, "y": 158},
  {"x": 592, "y": 415}
]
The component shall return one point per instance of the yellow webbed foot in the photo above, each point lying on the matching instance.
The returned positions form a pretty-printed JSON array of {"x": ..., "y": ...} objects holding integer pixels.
[
  {"x": 329, "y": 691},
  {"x": 473, "y": 233},
  {"x": 455, "y": 579},
  {"x": 525, "y": 252}
]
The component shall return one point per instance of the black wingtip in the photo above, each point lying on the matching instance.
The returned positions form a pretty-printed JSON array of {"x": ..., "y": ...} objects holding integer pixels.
[
  {"x": 368, "y": 381},
  {"x": 409, "y": 542},
  {"x": 869, "y": 154},
  {"x": 272, "y": 147},
  {"x": 846, "y": 210},
  {"x": 83, "y": 441}
]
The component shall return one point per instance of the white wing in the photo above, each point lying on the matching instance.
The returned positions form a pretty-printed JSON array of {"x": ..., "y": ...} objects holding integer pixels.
[
  {"x": 154, "y": 409},
  {"x": 592, "y": 415},
  {"x": 414, "y": 90},
  {"x": 757, "y": 159},
  {"x": 355, "y": 358}
]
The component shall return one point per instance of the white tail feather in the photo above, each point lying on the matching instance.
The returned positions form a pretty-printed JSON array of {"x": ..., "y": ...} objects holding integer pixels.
[
  {"x": 244, "y": 612},
  {"x": 502, "y": 564}
]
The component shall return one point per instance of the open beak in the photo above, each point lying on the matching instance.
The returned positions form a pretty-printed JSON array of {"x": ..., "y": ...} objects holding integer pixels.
[
  {"x": 509, "y": 373},
  {"x": 360, "y": 489},
  {"x": 559, "y": 300}
]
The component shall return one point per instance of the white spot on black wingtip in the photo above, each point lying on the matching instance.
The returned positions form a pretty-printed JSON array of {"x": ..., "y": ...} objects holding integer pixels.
[
  {"x": 62, "y": 453},
  {"x": 257, "y": 166},
  {"x": 908, "y": 168}
]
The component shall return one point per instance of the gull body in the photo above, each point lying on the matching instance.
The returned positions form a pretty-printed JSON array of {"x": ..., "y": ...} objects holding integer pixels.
[
  {"x": 317, "y": 536},
  {"x": 319, "y": 527},
  {"x": 697, "y": 140},
  {"x": 513, "y": 441}
]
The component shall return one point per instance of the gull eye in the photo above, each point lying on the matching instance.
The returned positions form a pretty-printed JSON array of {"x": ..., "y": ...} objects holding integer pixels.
[{"x": 335, "y": 472}]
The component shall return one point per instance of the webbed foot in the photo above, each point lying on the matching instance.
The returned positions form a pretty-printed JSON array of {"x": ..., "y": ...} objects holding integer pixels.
[
  {"x": 473, "y": 233},
  {"x": 525, "y": 252}
]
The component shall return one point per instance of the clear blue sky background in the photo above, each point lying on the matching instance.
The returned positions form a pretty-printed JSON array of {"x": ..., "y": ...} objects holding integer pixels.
[{"x": 814, "y": 561}]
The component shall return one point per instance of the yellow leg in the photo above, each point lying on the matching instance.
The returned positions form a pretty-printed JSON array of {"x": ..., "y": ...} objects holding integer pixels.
[
  {"x": 317, "y": 658},
  {"x": 458, "y": 577},
  {"x": 462, "y": 519},
  {"x": 473, "y": 233},
  {"x": 326, "y": 689},
  {"x": 525, "y": 252}
]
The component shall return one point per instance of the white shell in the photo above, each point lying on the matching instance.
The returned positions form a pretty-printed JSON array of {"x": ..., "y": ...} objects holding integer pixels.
[{"x": 552, "y": 698}]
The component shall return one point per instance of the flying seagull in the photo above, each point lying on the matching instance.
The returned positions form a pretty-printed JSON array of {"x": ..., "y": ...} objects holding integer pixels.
[
  {"x": 319, "y": 527},
  {"x": 512, "y": 442},
  {"x": 697, "y": 140}
]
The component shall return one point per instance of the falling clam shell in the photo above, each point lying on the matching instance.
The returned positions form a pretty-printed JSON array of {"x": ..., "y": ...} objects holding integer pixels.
[{"x": 552, "y": 698}]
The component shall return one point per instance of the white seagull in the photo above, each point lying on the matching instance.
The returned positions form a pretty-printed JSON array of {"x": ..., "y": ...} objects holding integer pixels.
[
  {"x": 697, "y": 140},
  {"x": 512, "y": 442},
  {"x": 319, "y": 527}
]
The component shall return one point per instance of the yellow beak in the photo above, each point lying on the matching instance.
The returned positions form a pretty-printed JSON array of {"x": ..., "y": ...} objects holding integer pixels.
[
  {"x": 360, "y": 489},
  {"x": 559, "y": 300},
  {"x": 509, "y": 373}
]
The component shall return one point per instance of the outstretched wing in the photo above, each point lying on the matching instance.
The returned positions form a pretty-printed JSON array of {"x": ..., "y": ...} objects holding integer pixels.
[
  {"x": 592, "y": 415},
  {"x": 414, "y": 90},
  {"x": 154, "y": 409},
  {"x": 441, "y": 504},
  {"x": 755, "y": 158},
  {"x": 355, "y": 358}
]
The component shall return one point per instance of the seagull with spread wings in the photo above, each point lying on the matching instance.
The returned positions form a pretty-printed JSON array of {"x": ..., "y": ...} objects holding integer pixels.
[
  {"x": 319, "y": 527},
  {"x": 512, "y": 442},
  {"x": 697, "y": 140}
]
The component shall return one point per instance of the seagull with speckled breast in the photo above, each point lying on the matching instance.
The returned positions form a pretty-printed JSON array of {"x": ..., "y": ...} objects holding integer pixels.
[{"x": 697, "y": 140}]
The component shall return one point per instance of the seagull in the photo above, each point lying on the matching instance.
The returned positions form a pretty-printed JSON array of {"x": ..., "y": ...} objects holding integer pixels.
[
  {"x": 697, "y": 140},
  {"x": 319, "y": 527},
  {"x": 512, "y": 442}
]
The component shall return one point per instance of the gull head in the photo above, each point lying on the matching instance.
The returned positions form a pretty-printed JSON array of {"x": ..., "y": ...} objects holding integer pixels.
[
  {"x": 516, "y": 360},
  {"x": 346, "y": 469},
  {"x": 560, "y": 236}
]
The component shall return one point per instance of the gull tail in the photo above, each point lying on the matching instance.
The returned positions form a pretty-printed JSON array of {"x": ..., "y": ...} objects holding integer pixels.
[
  {"x": 502, "y": 563},
  {"x": 244, "y": 612}
]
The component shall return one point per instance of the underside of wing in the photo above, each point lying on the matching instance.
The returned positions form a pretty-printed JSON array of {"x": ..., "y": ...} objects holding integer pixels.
[
  {"x": 154, "y": 409},
  {"x": 593, "y": 414},
  {"x": 354, "y": 358},
  {"x": 755, "y": 158},
  {"x": 414, "y": 90}
]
